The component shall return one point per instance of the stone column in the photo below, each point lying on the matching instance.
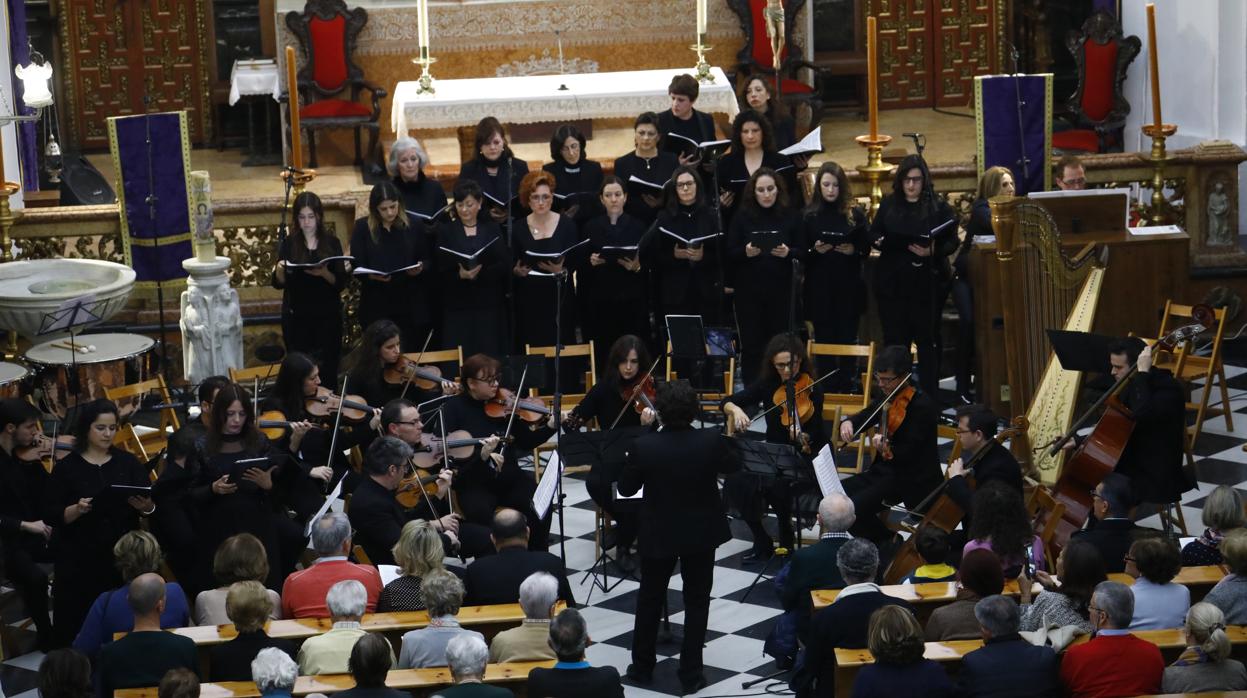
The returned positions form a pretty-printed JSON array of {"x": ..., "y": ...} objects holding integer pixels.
[{"x": 211, "y": 321}]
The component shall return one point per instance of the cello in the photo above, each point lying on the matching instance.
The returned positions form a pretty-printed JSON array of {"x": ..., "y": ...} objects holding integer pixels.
[{"x": 1098, "y": 454}]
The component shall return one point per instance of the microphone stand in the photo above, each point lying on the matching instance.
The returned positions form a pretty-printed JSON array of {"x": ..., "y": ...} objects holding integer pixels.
[
  {"x": 510, "y": 294},
  {"x": 556, "y": 405},
  {"x": 151, "y": 213},
  {"x": 1017, "y": 84}
]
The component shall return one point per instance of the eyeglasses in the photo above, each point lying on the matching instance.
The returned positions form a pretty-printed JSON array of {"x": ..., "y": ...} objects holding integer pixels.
[
  {"x": 685, "y": 185},
  {"x": 1075, "y": 182},
  {"x": 412, "y": 423},
  {"x": 912, "y": 180},
  {"x": 488, "y": 380},
  {"x": 1093, "y": 609},
  {"x": 1095, "y": 494}
]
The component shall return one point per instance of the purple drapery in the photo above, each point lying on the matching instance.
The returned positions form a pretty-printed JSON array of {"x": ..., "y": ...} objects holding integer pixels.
[
  {"x": 27, "y": 139},
  {"x": 155, "y": 248},
  {"x": 1009, "y": 133}
]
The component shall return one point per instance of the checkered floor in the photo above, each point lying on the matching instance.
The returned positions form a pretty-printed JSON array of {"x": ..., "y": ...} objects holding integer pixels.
[{"x": 737, "y": 626}]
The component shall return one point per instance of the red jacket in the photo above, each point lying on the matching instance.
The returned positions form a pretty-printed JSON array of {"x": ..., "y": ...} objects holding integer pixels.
[
  {"x": 303, "y": 594},
  {"x": 1110, "y": 666}
]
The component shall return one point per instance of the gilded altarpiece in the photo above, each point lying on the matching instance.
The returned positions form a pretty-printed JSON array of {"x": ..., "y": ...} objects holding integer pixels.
[
  {"x": 930, "y": 50},
  {"x": 120, "y": 51}
]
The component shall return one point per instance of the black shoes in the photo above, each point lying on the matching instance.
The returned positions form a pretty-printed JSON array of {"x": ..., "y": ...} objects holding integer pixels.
[
  {"x": 639, "y": 676},
  {"x": 690, "y": 687}
]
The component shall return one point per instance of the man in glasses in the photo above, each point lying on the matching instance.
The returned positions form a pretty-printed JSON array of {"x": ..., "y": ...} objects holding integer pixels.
[
  {"x": 976, "y": 430},
  {"x": 1114, "y": 662},
  {"x": 1070, "y": 174},
  {"x": 1111, "y": 529}
]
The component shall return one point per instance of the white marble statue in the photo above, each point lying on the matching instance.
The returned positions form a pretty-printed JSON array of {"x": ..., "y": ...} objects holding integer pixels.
[{"x": 211, "y": 321}]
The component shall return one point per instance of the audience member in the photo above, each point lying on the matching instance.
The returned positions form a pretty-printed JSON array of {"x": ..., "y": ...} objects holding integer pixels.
[
  {"x": 1114, "y": 662},
  {"x": 496, "y": 579},
  {"x": 425, "y": 647},
  {"x": 844, "y": 623},
  {"x": 1000, "y": 524},
  {"x": 179, "y": 683},
  {"x": 1111, "y": 530},
  {"x": 1230, "y": 594},
  {"x": 371, "y": 659},
  {"x": 466, "y": 656},
  {"x": 135, "y": 553},
  {"x": 1158, "y": 602},
  {"x": 239, "y": 558},
  {"x": 529, "y": 642},
  {"x": 248, "y": 606},
  {"x": 814, "y": 566},
  {"x": 932, "y": 546},
  {"x": 65, "y": 673},
  {"x": 979, "y": 577},
  {"x": 418, "y": 552},
  {"x": 303, "y": 595},
  {"x": 899, "y": 669},
  {"x": 274, "y": 673},
  {"x": 1006, "y": 666},
  {"x": 330, "y": 653},
  {"x": 572, "y": 676},
  {"x": 144, "y": 655},
  {"x": 1205, "y": 664},
  {"x": 1079, "y": 568},
  {"x": 1223, "y": 512}
]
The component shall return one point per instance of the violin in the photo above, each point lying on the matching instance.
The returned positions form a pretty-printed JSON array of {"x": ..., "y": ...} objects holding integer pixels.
[
  {"x": 530, "y": 410},
  {"x": 641, "y": 393},
  {"x": 805, "y": 406},
  {"x": 43, "y": 449},
  {"x": 893, "y": 417},
  {"x": 325, "y": 402},
  {"x": 274, "y": 424},
  {"x": 433, "y": 452},
  {"x": 407, "y": 370}
]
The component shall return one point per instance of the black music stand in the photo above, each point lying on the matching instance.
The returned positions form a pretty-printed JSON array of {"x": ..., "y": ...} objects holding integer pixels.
[
  {"x": 691, "y": 341},
  {"x": 72, "y": 315}
]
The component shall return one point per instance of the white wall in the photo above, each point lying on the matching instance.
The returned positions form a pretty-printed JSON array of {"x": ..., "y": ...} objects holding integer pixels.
[{"x": 8, "y": 133}]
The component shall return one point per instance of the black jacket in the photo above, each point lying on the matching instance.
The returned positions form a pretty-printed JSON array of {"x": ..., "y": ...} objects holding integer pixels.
[
  {"x": 1113, "y": 538},
  {"x": 1009, "y": 667},
  {"x": 812, "y": 567},
  {"x": 1154, "y": 454},
  {"x": 900, "y": 273},
  {"x": 496, "y": 579},
  {"x": 915, "y": 458},
  {"x": 378, "y": 520},
  {"x": 681, "y": 511},
  {"x": 232, "y": 661},
  {"x": 597, "y": 681},
  {"x": 842, "y": 624},
  {"x": 997, "y": 464}
]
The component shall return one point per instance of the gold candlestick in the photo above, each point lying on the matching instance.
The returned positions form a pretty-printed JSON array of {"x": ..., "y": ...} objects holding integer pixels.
[
  {"x": 703, "y": 68},
  {"x": 1162, "y": 212},
  {"x": 875, "y": 168},
  {"x": 7, "y": 218},
  {"x": 426, "y": 78}
]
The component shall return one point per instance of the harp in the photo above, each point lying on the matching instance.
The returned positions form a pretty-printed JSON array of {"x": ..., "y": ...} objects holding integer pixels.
[{"x": 1043, "y": 286}]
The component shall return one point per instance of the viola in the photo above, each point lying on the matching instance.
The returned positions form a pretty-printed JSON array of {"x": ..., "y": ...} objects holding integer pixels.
[
  {"x": 433, "y": 452},
  {"x": 804, "y": 405},
  {"x": 43, "y": 449},
  {"x": 641, "y": 393},
  {"x": 325, "y": 402},
  {"x": 893, "y": 417},
  {"x": 274, "y": 424},
  {"x": 407, "y": 370},
  {"x": 530, "y": 410}
]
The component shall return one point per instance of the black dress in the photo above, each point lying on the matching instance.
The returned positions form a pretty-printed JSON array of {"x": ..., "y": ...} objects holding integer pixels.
[
  {"x": 835, "y": 292},
  {"x": 474, "y": 311},
  {"x": 655, "y": 170},
  {"x": 732, "y": 175},
  {"x": 83, "y": 550},
  {"x": 535, "y": 293},
  {"x": 909, "y": 288},
  {"x": 581, "y": 183},
  {"x": 404, "y": 299},
  {"x": 501, "y": 192},
  {"x": 686, "y": 287},
  {"x": 22, "y": 487},
  {"x": 980, "y": 224},
  {"x": 764, "y": 291},
  {"x": 422, "y": 199},
  {"x": 698, "y": 128},
  {"x": 311, "y": 308},
  {"x": 617, "y": 297}
]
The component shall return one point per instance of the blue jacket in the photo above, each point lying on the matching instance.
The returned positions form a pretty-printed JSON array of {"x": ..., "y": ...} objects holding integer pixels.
[
  {"x": 111, "y": 614},
  {"x": 1011, "y": 667}
]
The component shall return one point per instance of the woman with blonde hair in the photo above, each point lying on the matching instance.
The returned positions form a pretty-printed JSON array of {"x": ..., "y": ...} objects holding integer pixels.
[
  {"x": 895, "y": 639},
  {"x": 1223, "y": 512},
  {"x": 417, "y": 552},
  {"x": 1205, "y": 664}
]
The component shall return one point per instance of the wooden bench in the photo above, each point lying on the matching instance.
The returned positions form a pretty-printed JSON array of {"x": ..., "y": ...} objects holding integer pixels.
[
  {"x": 419, "y": 682},
  {"x": 1200, "y": 580}
]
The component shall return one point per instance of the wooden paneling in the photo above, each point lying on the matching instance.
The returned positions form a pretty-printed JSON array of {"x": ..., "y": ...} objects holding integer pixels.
[{"x": 930, "y": 50}]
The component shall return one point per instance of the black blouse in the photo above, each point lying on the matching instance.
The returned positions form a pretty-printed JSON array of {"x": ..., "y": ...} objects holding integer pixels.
[
  {"x": 495, "y": 186},
  {"x": 897, "y": 224},
  {"x": 733, "y": 175},
  {"x": 92, "y": 535},
  {"x": 764, "y": 277},
  {"x": 605, "y": 401},
  {"x": 534, "y": 293},
  {"x": 488, "y": 289},
  {"x": 403, "y": 296},
  {"x": 467, "y": 413},
  {"x": 656, "y": 170},
  {"x": 832, "y": 274},
  {"x": 582, "y": 181},
  {"x": 422, "y": 198},
  {"x": 678, "y": 278},
  {"x": 610, "y": 281},
  {"x": 305, "y": 295},
  {"x": 761, "y": 393}
]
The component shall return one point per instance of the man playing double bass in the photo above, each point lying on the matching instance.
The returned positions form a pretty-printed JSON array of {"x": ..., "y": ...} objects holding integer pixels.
[{"x": 976, "y": 429}]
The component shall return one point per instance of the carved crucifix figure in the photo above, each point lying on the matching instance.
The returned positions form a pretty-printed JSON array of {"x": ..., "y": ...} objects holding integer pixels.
[{"x": 775, "y": 30}]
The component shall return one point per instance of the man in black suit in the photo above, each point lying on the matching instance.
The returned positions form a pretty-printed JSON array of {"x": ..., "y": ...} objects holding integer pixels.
[
  {"x": 572, "y": 677},
  {"x": 845, "y": 621},
  {"x": 497, "y": 578},
  {"x": 1006, "y": 666},
  {"x": 914, "y": 469},
  {"x": 976, "y": 429},
  {"x": 1111, "y": 530},
  {"x": 682, "y": 520},
  {"x": 814, "y": 566}
]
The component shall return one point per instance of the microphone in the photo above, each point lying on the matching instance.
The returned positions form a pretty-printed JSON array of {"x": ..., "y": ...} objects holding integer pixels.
[{"x": 912, "y": 135}]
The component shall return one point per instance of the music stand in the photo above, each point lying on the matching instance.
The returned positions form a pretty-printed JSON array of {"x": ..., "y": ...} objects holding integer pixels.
[
  {"x": 71, "y": 315},
  {"x": 513, "y": 367}
]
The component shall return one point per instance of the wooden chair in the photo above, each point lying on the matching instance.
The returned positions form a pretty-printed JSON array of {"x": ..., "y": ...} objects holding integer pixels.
[
  {"x": 143, "y": 441},
  {"x": 709, "y": 397},
  {"x": 1045, "y": 512},
  {"x": 835, "y": 405},
  {"x": 448, "y": 361},
  {"x": 254, "y": 377},
  {"x": 945, "y": 431},
  {"x": 569, "y": 400},
  {"x": 1097, "y": 110},
  {"x": 1189, "y": 367}
]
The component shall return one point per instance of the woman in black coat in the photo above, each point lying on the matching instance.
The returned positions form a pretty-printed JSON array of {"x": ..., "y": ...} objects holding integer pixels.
[
  {"x": 496, "y": 169},
  {"x": 685, "y": 245},
  {"x": 311, "y": 299},
  {"x": 422, "y": 197},
  {"x": 615, "y": 279},
  {"x": 649, "y": 164},
  {"x": 536, "y": 237},
  {"x": 386, "y": 241},
  {"x": 473, "y": 263},
  {"x": 576, "y": 177}
]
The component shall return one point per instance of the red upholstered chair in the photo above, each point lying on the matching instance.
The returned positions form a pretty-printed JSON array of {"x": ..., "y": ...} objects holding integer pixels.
[
  {"x": 330, "y": 82},
  {"x": 757, "y": 58},
  {"x": 1097, "y": 110}
]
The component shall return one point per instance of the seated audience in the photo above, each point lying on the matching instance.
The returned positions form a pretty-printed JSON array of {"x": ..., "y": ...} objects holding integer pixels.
[
  {"x": 899, "y": 669},
  {"x": 1159, "y": 603},
  {"x": 65, "y": 673},
  {"x": 496, "y": 579},
  {"x": 248, "y": 606},
  {"x": 1064, "y": 599},
  {"x": 330, "y": 653},
  {"x": 1223, "y": 512},
  {"x": 572, "y": 677},
  {"x": 179, "y": 683},
  {"x": 418, "y": 552},
  {"x": 303, "y": 595},
  {"x": 466, "y": 656},
  {"x": 1114, "y": 662},
  {"x": 812, "y": 567},
  {"x": 1000, "y": 524},
  {"x": 1205, "y": 664},
  {"x": 135, "y": 553},
  {"x": 1006, "y": 666},
  {"x": 425, "y": 647},
  {"x": 1111, "y": 530},
  {"x": 239, "y": 558},
  {"x": 844, "y": 623},
  {"x": 371, "y": 659},
  {"x": 1230, "y": 594},
  {"x": 529, "y": 642},
  {"x": 274, "y": 673},
  {"x": 144, "y": 655},
  {"x": 978, "y": 578},
  {"x": 932, "y": 545}
]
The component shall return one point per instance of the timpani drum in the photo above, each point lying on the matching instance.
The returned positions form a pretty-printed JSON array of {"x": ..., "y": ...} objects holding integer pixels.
[
  {"x": 110, "y": 361},
  {"x": 12, "y": 378}
]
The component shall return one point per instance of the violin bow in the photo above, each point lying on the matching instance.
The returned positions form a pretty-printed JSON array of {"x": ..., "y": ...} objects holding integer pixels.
[
  {"x": 866, "y": 422},
  {"x": 636, "y": 390},
  {"x": 515, "y": 404},
  {"x": 807, "y": 388},
  {"x": 412, "y": 375},
  {"x": 337, "y": 424}
]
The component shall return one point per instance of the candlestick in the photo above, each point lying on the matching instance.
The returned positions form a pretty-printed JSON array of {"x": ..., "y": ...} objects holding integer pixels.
[
  {"x": 1162, "y": 212},
  {"x": 701, "y": 19},
  {"x": 426, "y": 77},
  {"x": 872, "y": 77},
  {"x": 292, "y": 89},
  {"x": 875, "y": 168},
  {"x": 422, "y": 15}
]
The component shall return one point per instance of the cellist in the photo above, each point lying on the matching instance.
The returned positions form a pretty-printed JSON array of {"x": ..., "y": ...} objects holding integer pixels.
[
  {"x": 976, "y": 429},
  {"x": 906, "y": 464}
]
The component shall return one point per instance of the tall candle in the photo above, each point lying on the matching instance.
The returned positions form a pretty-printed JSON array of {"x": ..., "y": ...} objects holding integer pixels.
[
  {"x": 701, "y": 18},
  {"x": 1153, "y": 64},
  {"x": 3, "y": 179},
  {"x": 872, "y": 77},
  {"x": 292, "y": 89},
  {"x": 422, "y": 19}
]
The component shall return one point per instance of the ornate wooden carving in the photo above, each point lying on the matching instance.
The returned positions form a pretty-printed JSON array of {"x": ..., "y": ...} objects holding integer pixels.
[{"x": 930, "y": 50}]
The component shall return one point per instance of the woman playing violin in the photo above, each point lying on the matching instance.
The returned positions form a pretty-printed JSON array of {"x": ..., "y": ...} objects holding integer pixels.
[
  {"x": 379, "y": 371},
  {"x": 491, "y": 476},
  {"x": 784, "y": 359}
]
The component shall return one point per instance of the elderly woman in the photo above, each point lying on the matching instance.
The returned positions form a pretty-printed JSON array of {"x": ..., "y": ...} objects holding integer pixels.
[
  {"x": 899, "y": 669},
  {"x": 978, "y": 578},
  {"x": 426, "y": 647},
  {"x": 466, "y": 656},
  {"x": 1223, "y": 512},
  {"x": 330, "y": 652},
  {"x": 1064, "y": 599},
  {"x": 418, "y": 552},
  {"x": 1158, "y": 602},
  {"x": 274, "y": 673},
  {"x": 135, "y": 553},
  {"x": 248, "y": 606},
  {"x": 1205, "y": 664},
  {"x": 370, "y": 662},
  {"x": 529, "y": 642},
  {"x": 422, "y": 198},
  {"x": 1230, "y": 594},
  {"x": 240, "y": 558}
]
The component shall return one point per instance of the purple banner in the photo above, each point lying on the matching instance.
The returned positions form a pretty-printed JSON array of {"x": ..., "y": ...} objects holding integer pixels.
[
  {"x": 158, "y": 236},
  {"x": 27, "y": 138},
  {"x": 1015, "y": 127}
]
